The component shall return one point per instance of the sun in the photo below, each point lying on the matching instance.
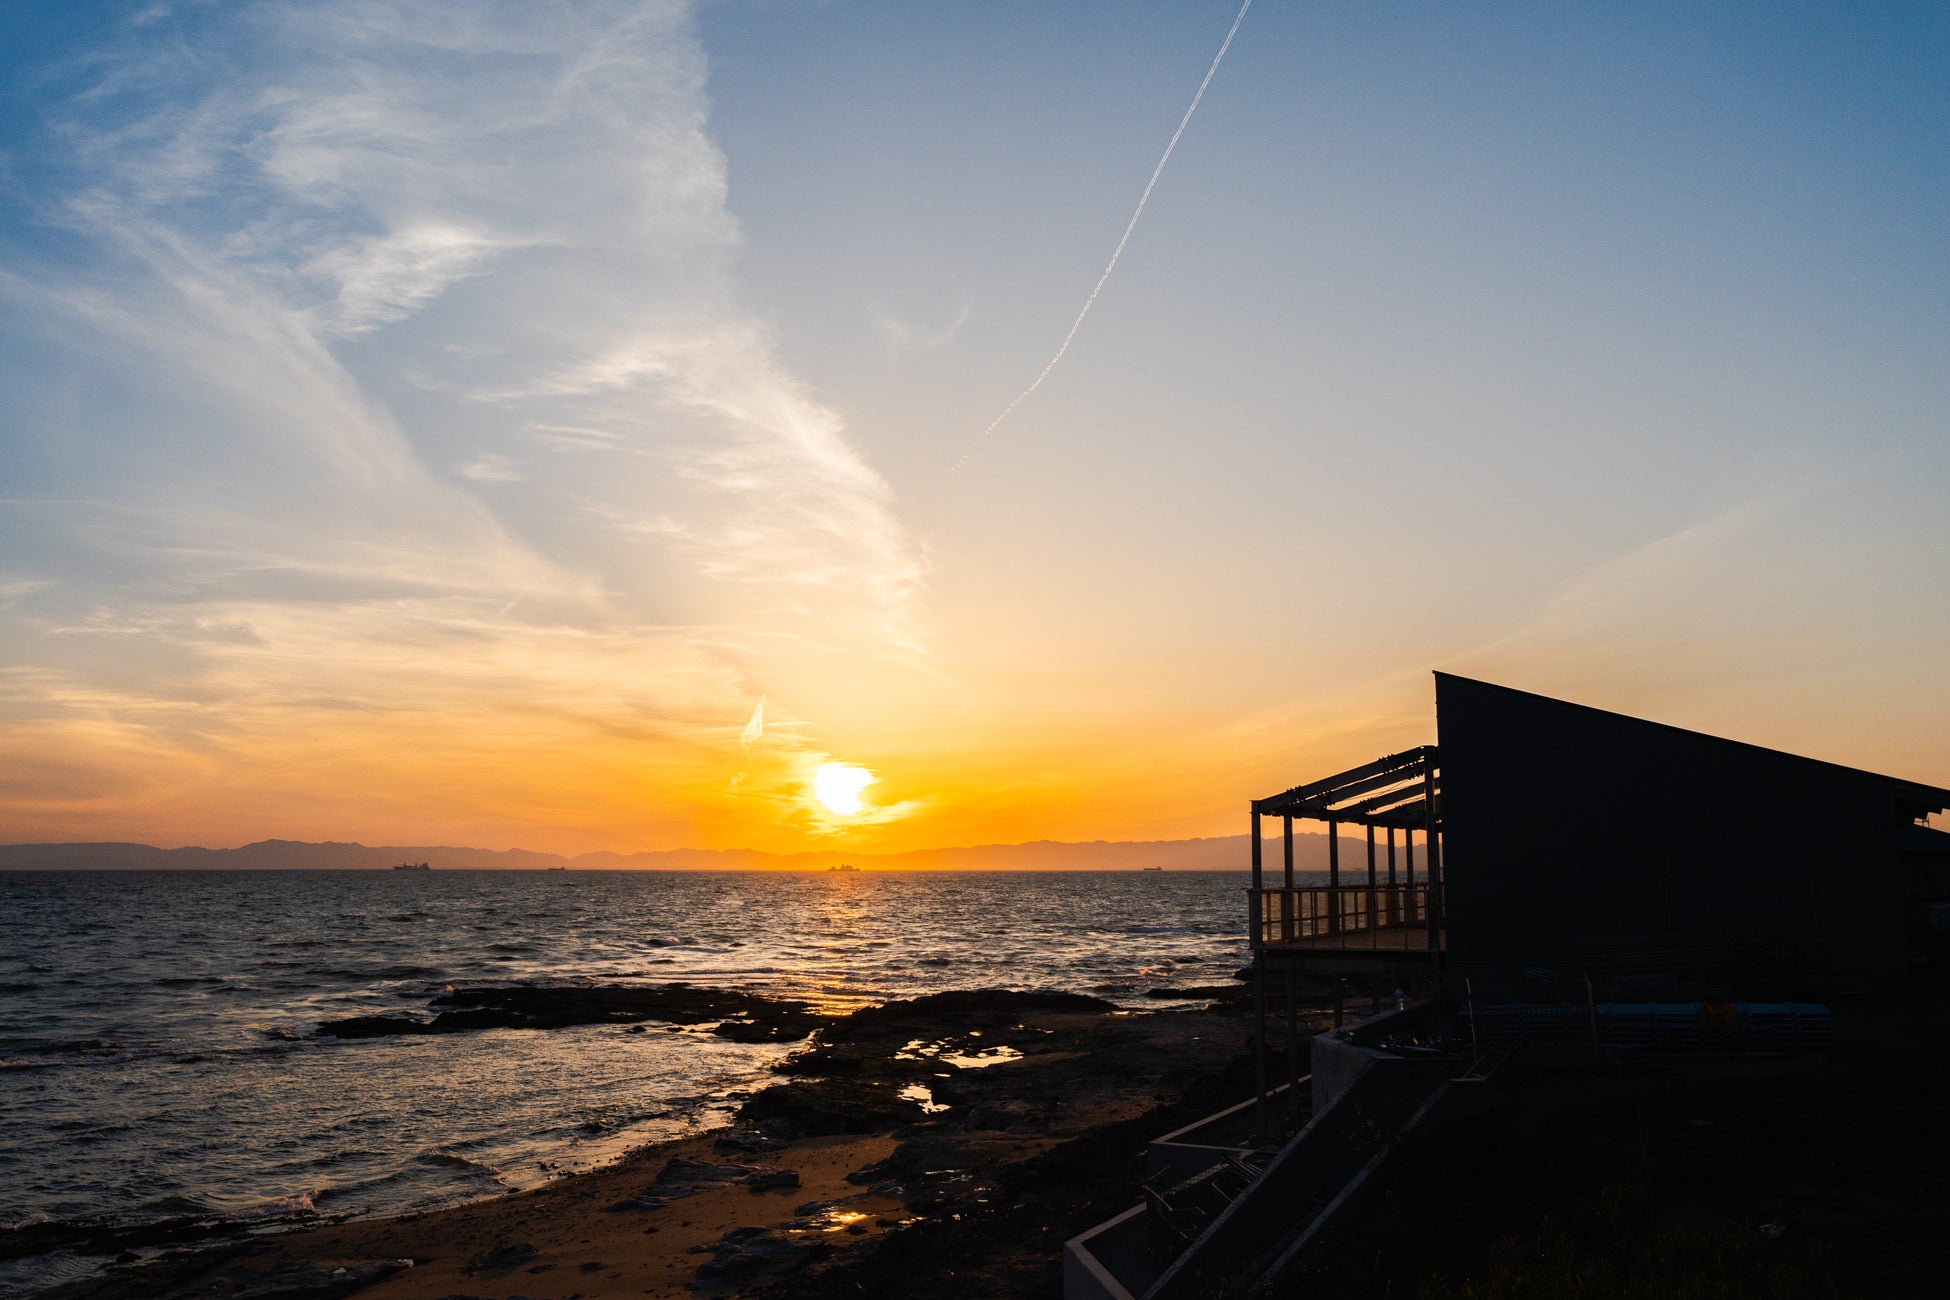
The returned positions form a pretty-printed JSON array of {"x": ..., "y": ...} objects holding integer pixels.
[{"x": 838, "y": 787}]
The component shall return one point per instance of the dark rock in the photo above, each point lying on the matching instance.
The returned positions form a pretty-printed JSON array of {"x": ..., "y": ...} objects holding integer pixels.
[
  {"x": 503, "y": 1256},
  {"x": 873, "y": 1173},
  {"x": 631, "y": 1203},
  {"x": 933, "y": 1191},
  {"x": 744, "y": 1251},
  {"x": 808, "y": 1108},
  {"x": 748, "y": 1142},
  {"x": 373, "y": 1027},
  {"x": 1204, "y": 991},
  {"x": 997, "y": 1115},
  {"x": 940, "y": 1013},
  {"x": 680, "y": 1177},
  {"x": 745, "y": 1016},
  {"x": 772, "y": 1179}
]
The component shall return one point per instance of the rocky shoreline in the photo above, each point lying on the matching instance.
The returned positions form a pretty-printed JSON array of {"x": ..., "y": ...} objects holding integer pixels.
[
  {"x": 739, "y": 1016},
  {"x": 940, "y": 1146}
]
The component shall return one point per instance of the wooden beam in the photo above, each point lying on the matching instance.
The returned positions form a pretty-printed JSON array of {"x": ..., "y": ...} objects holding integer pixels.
[
  {"x": 1405, "y": 762},
  {"x": 1386, "y": 800}
]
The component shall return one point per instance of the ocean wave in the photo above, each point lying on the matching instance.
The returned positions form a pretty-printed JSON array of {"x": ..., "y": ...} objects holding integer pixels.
[
  {"x": 437, "y": 1159},
  {"x": 296, "y": 1206},
  {"x": 176, "y": 1205}
]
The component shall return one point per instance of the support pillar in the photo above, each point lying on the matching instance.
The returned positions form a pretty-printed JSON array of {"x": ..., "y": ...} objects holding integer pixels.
[
  {"x": 1374, "y": 921},
  {"x": 1408, "y": 878},
  {"x": 1394, "y": 898},
  {"x": 1333, "y": 876},
  {"x": 1287, "y": 899}
]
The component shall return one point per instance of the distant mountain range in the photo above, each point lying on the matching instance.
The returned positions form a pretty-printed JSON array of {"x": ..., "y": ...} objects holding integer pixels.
[{"x": 1221, "y": 853}]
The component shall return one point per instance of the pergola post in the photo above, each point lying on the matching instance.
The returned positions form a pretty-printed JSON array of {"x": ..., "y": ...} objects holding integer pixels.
[
  {"x": 1333, "y": 875},
  {"x": 1287, "y": 899},
  {"x": 1374, "y": 922},
  {"x": 1394, "y": 898},
  {"x": 1408, "y": 852}
]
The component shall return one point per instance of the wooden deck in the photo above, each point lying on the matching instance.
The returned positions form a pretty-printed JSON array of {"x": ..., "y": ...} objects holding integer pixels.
[
  {"x": 1383, "y": 940},
  {"x": 1393, "y": 919}
]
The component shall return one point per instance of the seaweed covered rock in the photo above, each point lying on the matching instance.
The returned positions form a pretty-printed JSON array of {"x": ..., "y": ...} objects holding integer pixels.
[
  {"x": 740, "y": 1016},
  {"x": 939, "y": 1013},
  {"x": 817, "y": 1107}
]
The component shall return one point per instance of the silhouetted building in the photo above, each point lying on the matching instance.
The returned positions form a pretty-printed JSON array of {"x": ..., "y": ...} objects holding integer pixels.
[
  {"x": 1586, "y": 889},
  {"x": 1570, "y": 842}
]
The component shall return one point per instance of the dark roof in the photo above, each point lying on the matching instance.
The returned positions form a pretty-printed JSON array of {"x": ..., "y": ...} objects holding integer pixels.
[
  {"x": 1925, "y": 797},
  {"x": 1393, "y": 790}
]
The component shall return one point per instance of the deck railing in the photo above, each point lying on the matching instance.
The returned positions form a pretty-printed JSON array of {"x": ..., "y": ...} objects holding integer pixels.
[{"x": 1392, "y": 917}]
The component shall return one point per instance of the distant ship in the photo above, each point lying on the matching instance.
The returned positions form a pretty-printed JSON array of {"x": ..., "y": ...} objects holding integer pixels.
[
  {"x": 1151, "y": 868},
  {"x": 844, "y": 866},
  {"x": 555, "y": 868},
  {"x": 413, "y": 866}
]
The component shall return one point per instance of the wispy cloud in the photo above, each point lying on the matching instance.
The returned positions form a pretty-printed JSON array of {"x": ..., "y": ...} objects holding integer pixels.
[
  {"x": 492, "y": 467},
  {"x": 899, "y": 337},
  {"x": 329, "y": 249},
  {"x": 389, "y": 277}
]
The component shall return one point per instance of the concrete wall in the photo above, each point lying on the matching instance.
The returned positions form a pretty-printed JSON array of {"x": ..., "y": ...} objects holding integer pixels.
[{"x": 1089, "y": 1257}]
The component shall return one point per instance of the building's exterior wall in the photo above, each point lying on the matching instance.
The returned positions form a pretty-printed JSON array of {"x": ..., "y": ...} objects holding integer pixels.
[{"x": 1563, "y": 823}]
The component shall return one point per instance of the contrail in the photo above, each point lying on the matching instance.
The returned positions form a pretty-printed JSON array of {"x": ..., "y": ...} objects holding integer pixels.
[{"x": 1118, "y": 252}]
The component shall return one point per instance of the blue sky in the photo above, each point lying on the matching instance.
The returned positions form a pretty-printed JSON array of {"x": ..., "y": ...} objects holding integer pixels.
[{"x": 457, "y": 419}]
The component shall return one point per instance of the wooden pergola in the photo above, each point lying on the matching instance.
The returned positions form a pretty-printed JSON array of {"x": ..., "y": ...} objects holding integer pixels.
[
  {"x": 1379, "y": 926},
  {"x": 1401, "y": 794}
]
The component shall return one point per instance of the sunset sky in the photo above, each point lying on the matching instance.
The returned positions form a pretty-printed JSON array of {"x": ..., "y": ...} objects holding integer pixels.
[{"x": 447, "y": 423}]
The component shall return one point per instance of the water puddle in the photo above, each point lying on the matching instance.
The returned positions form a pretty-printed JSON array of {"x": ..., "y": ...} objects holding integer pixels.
[
  {"x": 920, "y": 1092},
  {"x": 920, "y": 1049}
]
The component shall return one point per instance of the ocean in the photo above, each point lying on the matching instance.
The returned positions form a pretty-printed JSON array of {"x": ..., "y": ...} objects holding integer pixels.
[{"x": 158, "y": 1064}]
